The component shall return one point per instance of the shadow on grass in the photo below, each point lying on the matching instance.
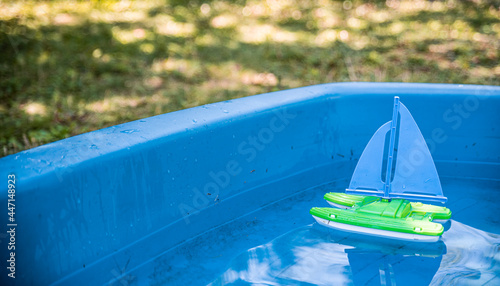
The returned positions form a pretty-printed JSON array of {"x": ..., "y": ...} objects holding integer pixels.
[{"x": 61, "y": 80}]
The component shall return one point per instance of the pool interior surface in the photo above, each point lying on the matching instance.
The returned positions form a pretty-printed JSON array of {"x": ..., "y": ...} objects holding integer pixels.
[{"x": 281, "y": 244}]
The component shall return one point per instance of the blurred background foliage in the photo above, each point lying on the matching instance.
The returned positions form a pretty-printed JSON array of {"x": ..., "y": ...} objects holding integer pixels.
[{"x": 68, "y": 67}]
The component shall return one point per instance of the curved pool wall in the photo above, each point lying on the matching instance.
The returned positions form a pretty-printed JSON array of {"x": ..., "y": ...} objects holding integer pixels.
[{"x": 92, "y": 207}]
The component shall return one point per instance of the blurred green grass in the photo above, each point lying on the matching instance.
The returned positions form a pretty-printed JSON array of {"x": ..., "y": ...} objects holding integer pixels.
[{"x": 68, "y": 67}]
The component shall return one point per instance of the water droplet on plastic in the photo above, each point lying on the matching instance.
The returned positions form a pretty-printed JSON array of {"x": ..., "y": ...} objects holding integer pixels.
[
  {"x": 129, "y": 131},
  {"x": 194, "y": 121},
  {"x": 225, "y": 111}
]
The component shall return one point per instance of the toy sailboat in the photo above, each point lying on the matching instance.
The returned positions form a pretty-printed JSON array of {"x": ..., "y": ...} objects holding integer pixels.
[{"x": 395, "y": 168}]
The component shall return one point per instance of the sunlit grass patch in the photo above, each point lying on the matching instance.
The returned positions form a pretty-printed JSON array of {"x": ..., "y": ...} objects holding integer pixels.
[{"x": 69, "y": 67}]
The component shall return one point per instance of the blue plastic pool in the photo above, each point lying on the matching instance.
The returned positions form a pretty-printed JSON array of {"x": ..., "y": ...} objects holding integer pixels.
[{"x": 220, "y": 194}]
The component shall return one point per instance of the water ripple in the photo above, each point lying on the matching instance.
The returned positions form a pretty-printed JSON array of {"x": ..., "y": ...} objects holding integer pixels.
[{"x": 319, "y": 256}]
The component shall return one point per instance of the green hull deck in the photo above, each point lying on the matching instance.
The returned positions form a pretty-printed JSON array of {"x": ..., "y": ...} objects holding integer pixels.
[
  {"x": 346, "y": 201},
  {"x": 397, "y": 218}
]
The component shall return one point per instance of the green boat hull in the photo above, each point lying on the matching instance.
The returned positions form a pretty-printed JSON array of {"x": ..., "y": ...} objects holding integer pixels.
[
  {"x": 396, "y": 218},
  {"x": 346, "y": 201}
]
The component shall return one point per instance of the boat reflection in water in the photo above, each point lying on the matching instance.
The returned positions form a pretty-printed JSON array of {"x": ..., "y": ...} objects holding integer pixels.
[
  {"x": 383, "y": 262},
  {"x": 321, "y": 256}
]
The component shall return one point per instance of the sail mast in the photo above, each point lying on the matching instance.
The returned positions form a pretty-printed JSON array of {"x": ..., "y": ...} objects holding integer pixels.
[{"x": 390, "y": 153}]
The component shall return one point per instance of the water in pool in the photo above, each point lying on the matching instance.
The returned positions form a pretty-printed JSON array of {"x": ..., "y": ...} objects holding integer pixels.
[{"x": 281, "y": 244}]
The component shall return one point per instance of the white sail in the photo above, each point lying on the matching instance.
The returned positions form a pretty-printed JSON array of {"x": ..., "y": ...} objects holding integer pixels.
[
  {"x": 415, "y": 176},
  {"x": 366, "y": 179}
]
